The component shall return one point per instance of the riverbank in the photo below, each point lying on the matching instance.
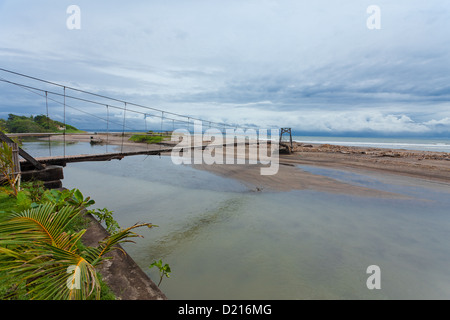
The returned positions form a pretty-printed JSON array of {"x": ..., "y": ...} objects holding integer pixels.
[
  {"x": 122, "y": 275},
  {"x": 430, "y": 166},
  {"x": 427, "y": 165}
]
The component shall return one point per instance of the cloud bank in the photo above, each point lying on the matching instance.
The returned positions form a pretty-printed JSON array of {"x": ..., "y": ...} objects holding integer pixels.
[{"x": 313, "y": 66}]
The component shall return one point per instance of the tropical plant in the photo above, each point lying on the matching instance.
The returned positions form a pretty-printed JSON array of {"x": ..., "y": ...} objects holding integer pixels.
[
  {"x": 39, "y": 252},
  {"x": 164, "y": 270},
  {"x": 8, "y": 169},
  {"x": 65, "y": 197},
  {"x": 106, "y": 216},
  {"x": 34, "y": 188}
]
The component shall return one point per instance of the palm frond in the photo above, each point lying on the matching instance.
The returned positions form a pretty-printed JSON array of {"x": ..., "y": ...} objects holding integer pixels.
[
  {"x": 41, "y": 224},
  {"x": 36, "y": 250},
  {"x": 51, "y": 273},
  {"x": 96, "y": 255},
  {"x": 66, "y": 276}
]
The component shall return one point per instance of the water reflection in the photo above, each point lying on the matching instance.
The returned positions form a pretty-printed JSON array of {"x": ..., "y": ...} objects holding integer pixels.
[
  {"x": 42, "y": 148},
  {"x": 414, "y": 187},
  {"x": 191, "y": 229}
]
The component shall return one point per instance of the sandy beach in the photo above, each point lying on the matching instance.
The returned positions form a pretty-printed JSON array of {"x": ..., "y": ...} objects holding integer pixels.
[
  {"x": 434, "y": 167},
  {"x": 425, "y": 165}
]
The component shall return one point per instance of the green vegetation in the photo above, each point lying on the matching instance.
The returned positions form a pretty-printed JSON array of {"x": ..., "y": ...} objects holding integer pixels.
[
  {"x": 3, "y": 125},
  {"x": 37, "y": 124},
  {"x": 41, "y": 253},
  {"x": 7, "y": 169},
  {"x": 164, "y": 270},
  {"x": 42, "y": 256},
  {"x": 146, "y": 138},
  {"x": 106, "y": 216}
]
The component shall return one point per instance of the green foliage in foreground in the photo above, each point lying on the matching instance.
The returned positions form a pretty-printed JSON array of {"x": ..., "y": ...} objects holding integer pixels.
[
  {"x": 41, "y": 253},
  {"x": 106, "y": 216},
  {"x": 7, "y": 169},
  {"x": 164, "y": 270}
]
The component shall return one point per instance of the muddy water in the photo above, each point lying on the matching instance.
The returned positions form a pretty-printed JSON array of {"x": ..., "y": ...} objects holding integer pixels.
[{"x": 224, "y": 241}]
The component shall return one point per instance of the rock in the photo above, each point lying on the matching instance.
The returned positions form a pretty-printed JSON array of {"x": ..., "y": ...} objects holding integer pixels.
[
  {"x": 391, "y": 154},
  {"x": 96, "y": 141}
]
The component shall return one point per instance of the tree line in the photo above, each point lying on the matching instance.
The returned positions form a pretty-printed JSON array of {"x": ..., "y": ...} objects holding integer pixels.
[{"x": 33, "y": 124}]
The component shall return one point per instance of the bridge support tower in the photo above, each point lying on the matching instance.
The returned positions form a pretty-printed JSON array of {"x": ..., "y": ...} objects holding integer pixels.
[{"x": 286, "y": 147}]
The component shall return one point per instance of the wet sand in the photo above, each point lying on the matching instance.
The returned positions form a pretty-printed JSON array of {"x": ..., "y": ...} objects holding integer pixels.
[{"x": 427, "y": 166}]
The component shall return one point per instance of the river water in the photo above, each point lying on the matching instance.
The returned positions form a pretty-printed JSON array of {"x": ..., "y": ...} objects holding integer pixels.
[{"x": 225, "y": 241}]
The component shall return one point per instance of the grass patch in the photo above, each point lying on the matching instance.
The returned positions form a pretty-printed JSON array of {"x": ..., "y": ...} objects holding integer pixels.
[
  {"x": 146, "y": 138},
  {"x": 68, "y": 130}
]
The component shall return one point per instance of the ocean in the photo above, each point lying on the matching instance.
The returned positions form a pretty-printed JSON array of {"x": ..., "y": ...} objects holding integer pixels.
[{"x": 424, "y": 144}]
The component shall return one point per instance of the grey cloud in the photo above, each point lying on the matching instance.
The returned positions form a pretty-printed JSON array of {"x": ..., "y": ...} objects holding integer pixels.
[{"x": 309, "y": 64}]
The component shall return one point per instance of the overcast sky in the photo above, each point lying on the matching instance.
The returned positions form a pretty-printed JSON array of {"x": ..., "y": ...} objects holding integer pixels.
[{"x": 314, "y": 66}]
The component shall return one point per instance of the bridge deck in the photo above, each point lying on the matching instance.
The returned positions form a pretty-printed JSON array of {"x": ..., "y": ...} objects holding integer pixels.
[{"x": 63, "y": 160}]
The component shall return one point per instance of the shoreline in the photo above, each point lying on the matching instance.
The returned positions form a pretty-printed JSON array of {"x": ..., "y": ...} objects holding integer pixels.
[
  {"x": 426, "y": 165},
  {"x": 122, "y": 274}
]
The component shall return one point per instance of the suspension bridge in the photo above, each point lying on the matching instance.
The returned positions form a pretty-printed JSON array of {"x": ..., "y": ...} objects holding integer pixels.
[{"x": 119, "y": 118}]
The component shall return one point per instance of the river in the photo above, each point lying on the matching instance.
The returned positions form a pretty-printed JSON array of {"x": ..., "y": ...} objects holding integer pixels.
[{"x": 225, "y": 241}]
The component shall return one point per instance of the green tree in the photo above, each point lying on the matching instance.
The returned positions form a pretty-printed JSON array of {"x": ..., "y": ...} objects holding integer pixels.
[
  {"x": 45, "y": 123},
  {"x": 23, "y": 125},
  {"x": 37, "y": 124},
  {"x": 3, "y": 127}
]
